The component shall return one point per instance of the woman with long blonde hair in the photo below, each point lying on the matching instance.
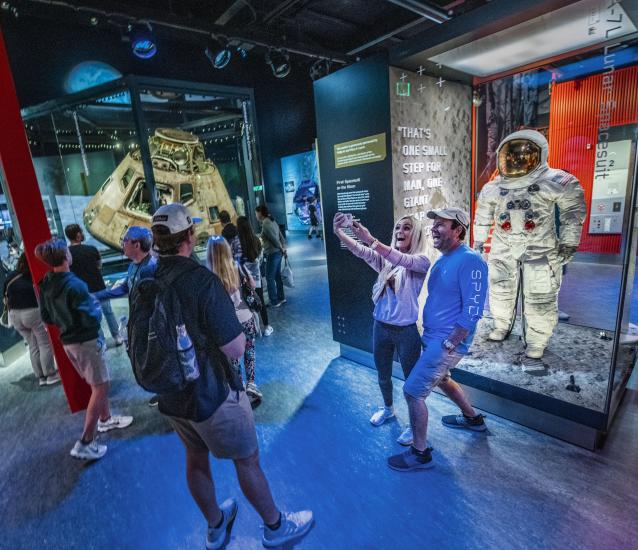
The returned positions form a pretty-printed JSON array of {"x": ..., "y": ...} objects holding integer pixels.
[
  {"x": 402, "y": 267},
  {"x": 219, "y": 260}
]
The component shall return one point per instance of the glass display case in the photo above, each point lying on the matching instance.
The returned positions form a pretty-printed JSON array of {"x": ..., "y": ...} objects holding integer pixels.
[
  {"x": 553, "y": 203},
  {"x": 108, "y": 156}
]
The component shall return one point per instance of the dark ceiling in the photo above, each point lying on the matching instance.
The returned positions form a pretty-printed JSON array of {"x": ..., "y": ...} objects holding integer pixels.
[{"x": 339, "y": 29}]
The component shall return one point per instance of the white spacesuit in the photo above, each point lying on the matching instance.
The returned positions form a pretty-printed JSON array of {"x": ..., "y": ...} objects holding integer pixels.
[{"x": 521, "y": 204}]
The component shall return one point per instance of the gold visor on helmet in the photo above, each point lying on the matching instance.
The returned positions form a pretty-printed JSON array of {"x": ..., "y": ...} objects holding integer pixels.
[{"x": 518, "y": 157}]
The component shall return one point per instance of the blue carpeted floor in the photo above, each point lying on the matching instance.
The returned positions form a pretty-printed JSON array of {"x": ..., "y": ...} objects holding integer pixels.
[{"x": 512, "y": 488}]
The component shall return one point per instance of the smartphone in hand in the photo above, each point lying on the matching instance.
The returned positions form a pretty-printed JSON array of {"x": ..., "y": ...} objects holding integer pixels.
[{"x": 347, "y": 220}]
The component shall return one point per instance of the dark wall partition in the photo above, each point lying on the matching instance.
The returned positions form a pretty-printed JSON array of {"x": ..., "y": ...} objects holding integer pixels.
[{"x": 353, "y": 104}]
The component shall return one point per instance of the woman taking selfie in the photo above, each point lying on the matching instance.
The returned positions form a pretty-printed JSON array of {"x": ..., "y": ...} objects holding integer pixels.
[{"x": 402, "y": 268}]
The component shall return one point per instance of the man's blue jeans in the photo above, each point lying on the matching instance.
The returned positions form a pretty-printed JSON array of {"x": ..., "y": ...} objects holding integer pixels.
[
  {"x": 273, "y": 277},
  {"x": 109, "y": 316}
]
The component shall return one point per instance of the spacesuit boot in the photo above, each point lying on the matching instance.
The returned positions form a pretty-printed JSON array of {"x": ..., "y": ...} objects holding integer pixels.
[{"x": 497, "y": 335}]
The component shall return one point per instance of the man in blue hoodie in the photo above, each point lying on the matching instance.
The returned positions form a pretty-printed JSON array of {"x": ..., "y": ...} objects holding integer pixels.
[{"x": 65, "y": 301}]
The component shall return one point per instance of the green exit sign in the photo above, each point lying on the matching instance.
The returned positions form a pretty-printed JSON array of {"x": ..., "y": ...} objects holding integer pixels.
[
  {"x": 403, "y": 88},
  {"x": 258, "y": 188}
]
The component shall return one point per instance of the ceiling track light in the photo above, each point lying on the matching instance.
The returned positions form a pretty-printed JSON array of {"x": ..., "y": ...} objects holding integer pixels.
[
  {"x": 218, "y": 52},
  {"x": 142, "y": 38},
  {"x": 320, "y": 68},
  {"x": 279, "y": 62},
  {"x": 424, "y": 9}
]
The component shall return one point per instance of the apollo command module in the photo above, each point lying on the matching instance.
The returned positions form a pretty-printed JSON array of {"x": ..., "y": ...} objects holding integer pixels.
[
  {"x": 182, "y": 174},
  {"x": 522, "y": 203}
]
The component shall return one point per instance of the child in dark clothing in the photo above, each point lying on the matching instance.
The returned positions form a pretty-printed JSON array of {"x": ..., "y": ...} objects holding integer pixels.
[
  {"x": 314, "y": 219},
  {"x": 65, "y": 301}
]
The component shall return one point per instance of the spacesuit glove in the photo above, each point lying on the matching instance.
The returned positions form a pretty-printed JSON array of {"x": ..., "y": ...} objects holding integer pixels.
[
  {"x": 566, "y": 253},
  {"x": 479, "y": 247}
]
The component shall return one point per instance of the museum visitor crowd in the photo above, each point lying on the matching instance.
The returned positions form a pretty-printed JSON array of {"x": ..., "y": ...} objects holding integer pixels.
[{"x": 218, "y": 310}]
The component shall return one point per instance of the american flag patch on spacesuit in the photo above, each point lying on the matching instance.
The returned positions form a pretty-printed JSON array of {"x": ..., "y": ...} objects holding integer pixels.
[{"x": 563, "y": 178}]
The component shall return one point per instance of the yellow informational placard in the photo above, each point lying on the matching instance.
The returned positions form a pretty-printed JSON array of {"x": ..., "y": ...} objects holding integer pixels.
[{"x": 360, "y": 151}]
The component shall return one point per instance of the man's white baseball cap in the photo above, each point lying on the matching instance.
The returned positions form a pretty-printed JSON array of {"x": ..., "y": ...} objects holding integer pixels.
[{"x": 175, "y": 217}]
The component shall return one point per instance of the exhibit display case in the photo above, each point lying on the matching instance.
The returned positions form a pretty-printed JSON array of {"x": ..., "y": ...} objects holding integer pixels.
[
  {"x": 558, "y": 338},
  {"x": 108, "y": 156},
  {"x": 533, "y": 128}
]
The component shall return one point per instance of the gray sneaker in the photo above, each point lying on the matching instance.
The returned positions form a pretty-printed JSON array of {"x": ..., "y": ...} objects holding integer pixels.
[
  {"x": 475, "y": 424},
  {"x": 115, "y": 421},
  {"x": 409, "y": 460},
  {"x": 216, "y": 537},
  {"x": 53, "y": 379},
  {"x": 293, "y": 525}
]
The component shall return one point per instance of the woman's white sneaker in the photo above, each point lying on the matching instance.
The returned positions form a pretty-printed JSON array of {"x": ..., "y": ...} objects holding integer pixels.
[
  {"x": 380, "y": 416},
  {"x": 406, "y": 437}
]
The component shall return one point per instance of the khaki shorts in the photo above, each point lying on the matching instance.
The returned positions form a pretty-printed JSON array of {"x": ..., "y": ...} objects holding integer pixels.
[
  {"x": 228, "y": 433},
  {"x": 431, "y": 369},
  {"x": 88, "y": 360}
]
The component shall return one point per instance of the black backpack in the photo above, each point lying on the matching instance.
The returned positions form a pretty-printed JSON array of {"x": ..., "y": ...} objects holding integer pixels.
[{"x": 155, "y": 312}]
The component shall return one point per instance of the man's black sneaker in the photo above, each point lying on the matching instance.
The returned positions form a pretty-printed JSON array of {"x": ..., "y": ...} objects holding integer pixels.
[
  {"x": 411, "y": 460},
  {"x": 476, "y": 423}
]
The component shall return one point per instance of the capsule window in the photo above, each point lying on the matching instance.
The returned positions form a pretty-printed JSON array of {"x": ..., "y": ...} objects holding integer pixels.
[
  {"x": 127, "y": 177},
  {"x": 186, "y": 193}
]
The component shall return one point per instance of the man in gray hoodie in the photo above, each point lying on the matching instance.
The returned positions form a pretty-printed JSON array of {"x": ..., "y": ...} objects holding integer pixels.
[{"x": 65, "y": 301}]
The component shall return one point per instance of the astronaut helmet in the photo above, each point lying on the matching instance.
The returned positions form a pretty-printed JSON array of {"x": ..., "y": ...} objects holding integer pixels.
[{"x": 522, "y": 153}]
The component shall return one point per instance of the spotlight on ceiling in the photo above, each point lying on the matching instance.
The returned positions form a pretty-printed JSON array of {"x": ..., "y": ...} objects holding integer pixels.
[
  {"x": 242, "y": 52},
  {"x": 279, "y": 62},
  {"x": 218, "y": 53},
  {"x": 143, "y": 44},
  {"x": 320, "y": 68}
]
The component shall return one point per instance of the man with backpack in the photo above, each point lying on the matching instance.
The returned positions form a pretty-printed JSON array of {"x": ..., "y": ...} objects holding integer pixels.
[{"x": 199, "y": 393}]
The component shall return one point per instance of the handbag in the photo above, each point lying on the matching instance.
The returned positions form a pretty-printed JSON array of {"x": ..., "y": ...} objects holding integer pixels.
[
  {"x": 287, "y": 276},
  {"x": 4, "y": 318},
  {"x": 248, "y": 293}
]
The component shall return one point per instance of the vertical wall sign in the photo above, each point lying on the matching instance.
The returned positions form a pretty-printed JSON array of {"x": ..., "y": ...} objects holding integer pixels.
[{"x": 353, "y": 134}]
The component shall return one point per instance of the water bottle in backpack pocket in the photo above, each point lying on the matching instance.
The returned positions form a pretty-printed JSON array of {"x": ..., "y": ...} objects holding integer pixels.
[
  {"x": 186, "y": 353},
  {"x": 162, "y": 352}
]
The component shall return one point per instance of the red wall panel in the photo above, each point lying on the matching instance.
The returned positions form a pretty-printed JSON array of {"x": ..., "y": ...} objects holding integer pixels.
[{"x": 573, "y": 129}]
